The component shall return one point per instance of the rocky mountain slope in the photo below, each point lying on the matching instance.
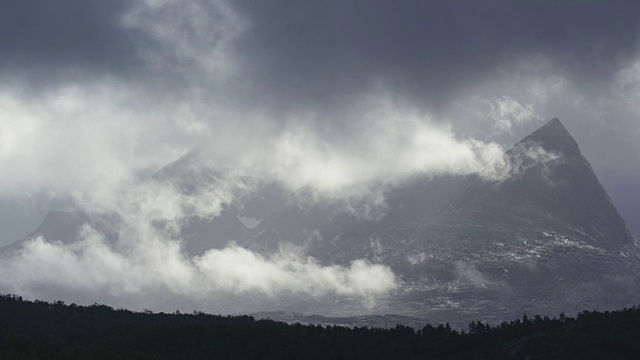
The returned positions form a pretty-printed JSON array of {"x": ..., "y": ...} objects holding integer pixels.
[{"x": 546, "y": 239}]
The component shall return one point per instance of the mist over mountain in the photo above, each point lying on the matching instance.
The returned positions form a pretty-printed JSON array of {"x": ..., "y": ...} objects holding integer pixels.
[
  {"x": 322, "y": 159},
  {"x": 552, "y": 176},
  {"x": 544, "y": 238}
]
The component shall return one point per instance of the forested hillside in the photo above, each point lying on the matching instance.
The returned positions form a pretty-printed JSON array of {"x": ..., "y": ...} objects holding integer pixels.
[{"x": 42, "y": 330}]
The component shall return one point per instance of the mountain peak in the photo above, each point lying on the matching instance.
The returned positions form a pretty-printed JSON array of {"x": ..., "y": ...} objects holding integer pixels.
[
  {"x": 553, "y": 137},
  {"x": 565, "y": 189},
  {"x": 555, "y": 122}
]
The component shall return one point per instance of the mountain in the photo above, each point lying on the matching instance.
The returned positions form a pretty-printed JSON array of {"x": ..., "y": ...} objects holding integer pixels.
[
  {"x": 545, "y": 239},
  {"x": 56, "y": 226},
  {"x": 551, "y": 176}
]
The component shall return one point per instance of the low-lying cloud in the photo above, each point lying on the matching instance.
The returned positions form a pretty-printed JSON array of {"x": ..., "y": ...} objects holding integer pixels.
[
  {"x": 146, "y": 256},
  {"x": 89, "y": 137},
  {"x": 107, "y": 168},
  {"x": 92, "y": 265}
]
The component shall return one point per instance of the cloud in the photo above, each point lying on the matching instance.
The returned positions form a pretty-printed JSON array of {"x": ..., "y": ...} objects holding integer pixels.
[
  {"x": 186, "y": 40},
  {"x": 627, "y": 85},
  {"x": 46, "y": 41},
  {"x": 506, "y": 112},
  {"x": 340, "y": 100},
  {"x": 320, "y": 55},
  {"x": 243, "y": 270},
  {"x": 467, "y": 272},
  {"x": 417, "y": 258},
  {"x": 328, "y": 106},
  {"x": 114, "y": 133},
  {"x": 392, "y": 143},
  {"x": 92, "y": 265},
  {"x": 146, "y": 256},
  {"x": 78, "y": 138}
]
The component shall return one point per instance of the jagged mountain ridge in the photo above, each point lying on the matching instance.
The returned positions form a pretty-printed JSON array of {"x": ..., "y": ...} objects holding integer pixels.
[
  {"x": 563, "y": 185},
  {"x": 546, "y": 240}
]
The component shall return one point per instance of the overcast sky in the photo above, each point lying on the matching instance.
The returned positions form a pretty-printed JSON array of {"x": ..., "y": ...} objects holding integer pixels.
[{"x": 95, "y": 96}]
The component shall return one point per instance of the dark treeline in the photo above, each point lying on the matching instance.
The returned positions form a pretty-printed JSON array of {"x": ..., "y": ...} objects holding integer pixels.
[{"x": 43, "y": 330}]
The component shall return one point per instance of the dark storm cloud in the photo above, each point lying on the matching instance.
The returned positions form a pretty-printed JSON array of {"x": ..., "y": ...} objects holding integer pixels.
[
  {"x": 311, "y": 53},
  {"x": 318, "y": 55},
  {"x": 44, "y": 36}
]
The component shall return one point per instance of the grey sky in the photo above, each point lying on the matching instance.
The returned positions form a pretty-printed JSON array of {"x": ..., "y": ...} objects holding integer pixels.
[
  {"x": 319, "y": 52},
  {"x": 98, "y": 93}
]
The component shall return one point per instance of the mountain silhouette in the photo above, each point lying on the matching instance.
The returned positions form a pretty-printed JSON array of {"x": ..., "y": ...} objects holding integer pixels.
[
  {"x": 551, "y": 176},
  {"x": 545, "y": 238}
]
